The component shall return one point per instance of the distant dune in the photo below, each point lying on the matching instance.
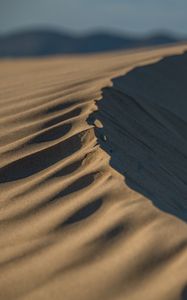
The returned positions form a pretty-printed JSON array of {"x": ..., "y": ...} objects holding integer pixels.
[
  {"x": 93, "y": 172},
  {"x": 45, "y": 42}
]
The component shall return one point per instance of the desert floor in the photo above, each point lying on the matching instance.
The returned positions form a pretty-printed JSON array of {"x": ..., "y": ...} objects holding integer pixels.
[{"x": 93, "y": 178}]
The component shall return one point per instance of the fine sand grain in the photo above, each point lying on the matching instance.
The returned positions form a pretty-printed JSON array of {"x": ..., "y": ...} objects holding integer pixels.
[{"x": 93, "y": 177}]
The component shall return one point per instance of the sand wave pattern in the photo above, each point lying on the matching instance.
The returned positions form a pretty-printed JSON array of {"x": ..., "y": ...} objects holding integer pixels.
[{"x": 93, "y": 177}]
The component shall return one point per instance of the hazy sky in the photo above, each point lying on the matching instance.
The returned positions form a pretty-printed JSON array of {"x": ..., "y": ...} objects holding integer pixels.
[{"x": 134, "y": 16}]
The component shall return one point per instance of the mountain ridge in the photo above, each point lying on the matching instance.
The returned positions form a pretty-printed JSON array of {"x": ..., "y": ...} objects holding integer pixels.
[{"x": 43, "y": 42}]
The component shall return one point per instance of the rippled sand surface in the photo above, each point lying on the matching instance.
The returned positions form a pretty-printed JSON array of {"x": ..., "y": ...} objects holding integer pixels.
[{"x": 93, "y": 177}]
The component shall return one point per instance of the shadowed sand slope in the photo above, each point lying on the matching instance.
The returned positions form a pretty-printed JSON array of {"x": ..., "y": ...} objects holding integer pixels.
[
  {"x": 144, "y": 120},
  {"x": 71, "y": 131}
]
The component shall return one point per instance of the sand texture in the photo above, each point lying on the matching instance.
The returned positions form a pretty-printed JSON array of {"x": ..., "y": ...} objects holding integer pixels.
[{"x": 93, "y": 176}]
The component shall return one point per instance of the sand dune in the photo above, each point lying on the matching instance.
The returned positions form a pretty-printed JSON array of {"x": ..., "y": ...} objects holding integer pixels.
[{"x": 93, "y": 177}]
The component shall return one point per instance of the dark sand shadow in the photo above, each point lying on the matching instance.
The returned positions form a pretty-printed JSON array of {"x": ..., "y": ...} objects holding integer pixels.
[
  {"x": 184, "y": 293},
  {"x": 144, "y": 119}
]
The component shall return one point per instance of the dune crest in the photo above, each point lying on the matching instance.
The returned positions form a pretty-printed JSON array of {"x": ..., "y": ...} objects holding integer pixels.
[
  {"x": 143, "y": 116},
  {"x": 72, "y": 129}
]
